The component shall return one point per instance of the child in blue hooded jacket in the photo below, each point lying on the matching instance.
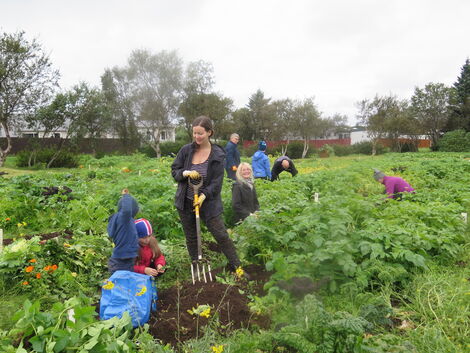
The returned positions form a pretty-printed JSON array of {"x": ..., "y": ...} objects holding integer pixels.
[
  {"x": 122, "y": 230},
  {"x": 260, "y": 163}
]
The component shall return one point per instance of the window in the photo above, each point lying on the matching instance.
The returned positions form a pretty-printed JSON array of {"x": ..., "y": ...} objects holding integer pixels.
[
  {"x": 31, "y": 135},
  {"x": 57, "y": 135},
  {"x": 163, "y": 136}
]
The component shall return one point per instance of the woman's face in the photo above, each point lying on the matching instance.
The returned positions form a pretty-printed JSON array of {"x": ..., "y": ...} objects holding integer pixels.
[
  {"x": 200, "y": 135},
  {"x": 145, "y": 240},
  {"x": 245, "y": 172}
]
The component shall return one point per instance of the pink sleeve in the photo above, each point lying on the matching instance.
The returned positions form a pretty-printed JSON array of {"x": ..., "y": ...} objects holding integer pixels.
[{"x": 160, "y": 260}]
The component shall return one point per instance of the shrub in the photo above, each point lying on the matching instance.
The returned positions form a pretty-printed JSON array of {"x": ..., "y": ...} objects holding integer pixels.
[
  {"x": 295, "y": 149},
  {"x": 455, "y": 141},
  {"x": 343, "y": 150},
  {"x": 365, "y": 147},
  {"x": 166, "y": 148},
  {"x": 36, "y": 158}
]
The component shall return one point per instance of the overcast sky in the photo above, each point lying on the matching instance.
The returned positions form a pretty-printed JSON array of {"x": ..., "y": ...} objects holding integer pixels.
[{"x": 338, "y": 51}]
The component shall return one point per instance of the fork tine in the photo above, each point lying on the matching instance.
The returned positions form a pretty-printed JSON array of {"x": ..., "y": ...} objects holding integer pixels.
[
  {"x": 204, "y": 272},
  {"x": 192, "y": 273},
  {"x": 209, "y": 270},
  {"x": 198, "y": 273}
]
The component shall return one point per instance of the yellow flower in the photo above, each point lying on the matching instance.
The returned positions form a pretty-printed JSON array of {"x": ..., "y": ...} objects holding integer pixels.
[
  {"x": 206, "y": 313},
  {"x": 108, "y": 285},
  {"x": 239, "y": 272},
  {"x": 19, "y": 225},
  {"x": 142, "y": 291},
  {"x": 67, "y": 245},
  {"x": 25, "y": 224},
  {"x": 218, "y": 349},
  {"x": 74, "y": 274}
]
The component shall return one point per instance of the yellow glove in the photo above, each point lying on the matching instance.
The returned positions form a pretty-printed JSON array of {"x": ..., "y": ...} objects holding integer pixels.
[
  {"x": 200, "y": 200},
  {"x": 192, "y": 174},
  {"x": 234, "y": 168}
]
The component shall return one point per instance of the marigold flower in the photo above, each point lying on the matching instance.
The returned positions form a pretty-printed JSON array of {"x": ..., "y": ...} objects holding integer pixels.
[
  {"x": 38, "y": 275},
  {"x": 25, "y": 283},
  {"x": 19, "y": 225},
  {"x": 218, "y": 349},
  {"x": 54, "y": 267},
  {"x": 67, "y": 245},
  {"x": 47, "y": 268},
  {"x": 206, "y": 313},
  {"x": 239, "y": 272},
  {"x": 8, "y": 219},
  {"x": 32, "y": 260},
  {"x": 29, "y": 269}
]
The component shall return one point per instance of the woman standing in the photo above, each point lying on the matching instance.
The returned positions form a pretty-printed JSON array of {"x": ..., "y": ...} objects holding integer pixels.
[
  {"x": 202, "y": 158},
  {"x": 244, "y": 197}
]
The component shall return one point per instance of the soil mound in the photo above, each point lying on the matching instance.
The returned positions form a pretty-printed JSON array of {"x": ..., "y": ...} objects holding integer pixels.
[
  {"x": 67, "y": 234},
  {"x": 173, "y": 324}
]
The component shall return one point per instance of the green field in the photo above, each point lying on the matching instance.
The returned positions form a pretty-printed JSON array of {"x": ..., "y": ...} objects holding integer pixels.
[{"x": 394, "y": 275}]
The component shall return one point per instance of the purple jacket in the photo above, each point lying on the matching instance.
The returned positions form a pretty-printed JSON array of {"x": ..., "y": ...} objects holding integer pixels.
[{"x": 395, "y": 185}]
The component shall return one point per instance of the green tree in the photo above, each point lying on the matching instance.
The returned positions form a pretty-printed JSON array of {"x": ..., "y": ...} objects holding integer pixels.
[
  {"x": 383, "y": 117},
  {"x": 156, "y": 83},
  {"x": 284, "y": 112},
  {"x": 27, "y": 80},
  {"x": 308, "y": 122},
  {"x": 115, "y": 87},
  {"x": 430, "y": 106},
  {"x": 461, "y": 99},
  {"x": 66, "y": 111},
  {"x": 212, "y": 105},
  {"x": 262, "y": 115}
]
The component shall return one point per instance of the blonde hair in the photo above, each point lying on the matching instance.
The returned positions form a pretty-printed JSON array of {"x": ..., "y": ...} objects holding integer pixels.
[{"x": 239, "y": 173}]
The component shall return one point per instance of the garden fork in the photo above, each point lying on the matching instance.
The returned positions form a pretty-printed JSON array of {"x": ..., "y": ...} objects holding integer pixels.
[{"x": 195, "y": 270}]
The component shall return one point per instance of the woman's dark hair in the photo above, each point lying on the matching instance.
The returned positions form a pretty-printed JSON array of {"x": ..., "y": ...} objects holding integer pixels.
[{"x": 204, "y": 122}]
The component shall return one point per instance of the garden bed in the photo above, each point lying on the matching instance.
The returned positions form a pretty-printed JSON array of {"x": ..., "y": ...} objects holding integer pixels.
[{"x": 229, "y": 302}]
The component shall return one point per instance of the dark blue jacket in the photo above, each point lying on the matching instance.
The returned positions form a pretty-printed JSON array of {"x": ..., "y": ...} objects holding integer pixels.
[
  {"x": 122, "y": 230},
  {"x": 260, "y": 165},
  {"x": 232, "y": 157},
  {"x": 212, "y": 184}
]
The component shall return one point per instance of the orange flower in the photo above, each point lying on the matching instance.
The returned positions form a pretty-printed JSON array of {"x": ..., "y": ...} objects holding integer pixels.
[
  {"x": 32, "y": 260},
  {"x": 38, "y": 275},
  {"x": 25, "y": 283},
  {"x": 29, "y": 268},
  {"x": 8, "y": 219},
  {"x": 54, "y": 267},
  {"x": 47, "y": 268}
]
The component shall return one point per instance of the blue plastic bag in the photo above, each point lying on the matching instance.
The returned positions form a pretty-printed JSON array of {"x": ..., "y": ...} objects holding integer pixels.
[{"x": 128, "y": 291}]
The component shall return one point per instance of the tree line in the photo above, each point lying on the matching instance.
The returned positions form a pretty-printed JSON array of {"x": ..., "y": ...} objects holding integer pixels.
[{"x": 155, "y": 90}]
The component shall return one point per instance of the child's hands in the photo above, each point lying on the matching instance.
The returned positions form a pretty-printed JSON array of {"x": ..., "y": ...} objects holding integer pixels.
[
  {"x": 124, "y": 192},
  {"x": 160, "y": 269},
  {"x": 150, "y": 271}
]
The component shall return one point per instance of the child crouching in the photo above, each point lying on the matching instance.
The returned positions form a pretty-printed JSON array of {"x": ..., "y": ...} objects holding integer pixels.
[{"x": 150, "y": 260}]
